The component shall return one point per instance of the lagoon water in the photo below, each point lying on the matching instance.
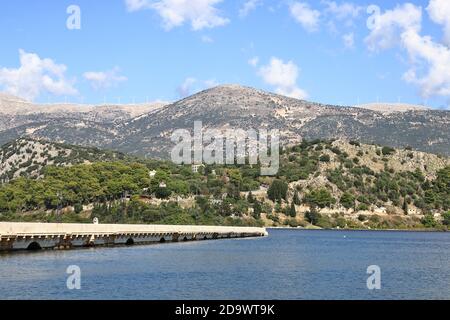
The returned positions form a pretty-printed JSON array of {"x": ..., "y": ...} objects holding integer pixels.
[{"x": 289, "y": 264}]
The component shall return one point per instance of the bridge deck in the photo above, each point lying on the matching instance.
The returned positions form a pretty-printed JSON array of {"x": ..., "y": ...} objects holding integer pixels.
[{"x": 17, "y": 236}]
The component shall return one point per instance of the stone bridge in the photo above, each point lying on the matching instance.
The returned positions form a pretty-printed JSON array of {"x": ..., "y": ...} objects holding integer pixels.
[{"x": 35, "y": 236}]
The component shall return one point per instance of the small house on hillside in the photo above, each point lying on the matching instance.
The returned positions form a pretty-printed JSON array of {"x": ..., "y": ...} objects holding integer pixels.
[{"x": 196, "y": 167}]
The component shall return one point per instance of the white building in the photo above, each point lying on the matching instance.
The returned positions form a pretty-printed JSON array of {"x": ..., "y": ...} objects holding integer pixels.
[{"x": 195, "y": 167}]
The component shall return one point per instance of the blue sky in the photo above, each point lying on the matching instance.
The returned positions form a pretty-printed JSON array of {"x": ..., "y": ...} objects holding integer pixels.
[{"x": 142, "y": 50}]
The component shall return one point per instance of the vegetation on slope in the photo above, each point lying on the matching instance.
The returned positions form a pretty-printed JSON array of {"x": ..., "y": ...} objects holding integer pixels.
[
  {"x": 322, "y": 183},
  {"x": 28, "y": 157}
]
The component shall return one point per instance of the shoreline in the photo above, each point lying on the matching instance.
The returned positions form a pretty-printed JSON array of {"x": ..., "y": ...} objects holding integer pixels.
[{"x": 378, "y": 230}]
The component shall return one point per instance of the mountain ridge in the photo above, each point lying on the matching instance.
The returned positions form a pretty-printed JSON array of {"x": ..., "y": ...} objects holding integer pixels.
[{"x": 239, "y": 107}]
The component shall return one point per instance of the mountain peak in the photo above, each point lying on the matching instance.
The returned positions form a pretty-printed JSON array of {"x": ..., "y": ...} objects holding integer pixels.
[{"x": 231, "y": 87}]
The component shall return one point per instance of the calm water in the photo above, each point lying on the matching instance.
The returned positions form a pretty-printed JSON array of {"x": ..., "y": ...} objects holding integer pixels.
[{"x": 289, "y": 264}]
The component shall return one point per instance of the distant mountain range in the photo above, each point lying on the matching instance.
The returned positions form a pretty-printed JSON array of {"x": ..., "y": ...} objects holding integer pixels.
[{"x": 146, "y": 130}]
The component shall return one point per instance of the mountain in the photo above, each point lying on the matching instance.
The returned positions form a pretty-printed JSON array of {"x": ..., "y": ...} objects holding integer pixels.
[
  {"x": 28, "y": 157},
  {"x": 235, "y": 106},
  {"x": 16, "y": 112}
]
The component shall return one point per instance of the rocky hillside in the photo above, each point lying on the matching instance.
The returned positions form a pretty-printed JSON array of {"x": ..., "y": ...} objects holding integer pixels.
[
  {"x": 28, "y": 157},
  {"x": 374, "y": 178},
  {"x": 234, "y": 106},
  {"x": 327, "y": 184}
]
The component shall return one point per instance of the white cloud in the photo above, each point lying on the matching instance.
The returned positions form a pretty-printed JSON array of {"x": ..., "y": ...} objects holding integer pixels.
[
  {"x": 200, "y": 14},
  {"x": 185, "y": 88},
  {"x": 248, "y": 6},
  {"x": 343, "y": 11},
  {"x": 191, "y": 85},
  {"x": 136, "y": 5},
  {"x": 305, "y": 15},
  {"x": 104, "y": 79},
  {"x": 349, "y": 40},
  {"x": 439, "y": 12},
  {"x": 282, "y": 76},
  {"x": 253, "y": 61},
  {"x": 36, "y": 76},
  {"x": 388, "y": 27},
  {"x": 429, "y": 61},
  {"x": 430, "y": 68}
]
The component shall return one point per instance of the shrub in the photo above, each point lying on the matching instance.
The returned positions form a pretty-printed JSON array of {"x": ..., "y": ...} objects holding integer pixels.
[
  {"x": 428, "y": 221},
  {"x": 324, "y": 158},
  {"x": 387, "y": 151},
  {"x": 446, "y": 218},
  {"x": 362, "y": 217},
  {"x": 321, "y": 198},
  {"x": 78, "y": 208},
  {"x": 347, "y": 200}
]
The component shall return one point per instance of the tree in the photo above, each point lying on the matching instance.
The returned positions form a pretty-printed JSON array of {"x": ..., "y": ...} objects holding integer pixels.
[
  {"x": 312, "y": 216},
  {"x": 162, "y": 192},
  {"x": 387, "y": 151},
  {"x": 428, "y": 221},
  {"x": 296, "y": 199},
  {"x": 347, "y": 200},
  {"x": 405, "y": 206},
  {"x": 78, "y": 208},
  {"x": 324, "y": 158},
  {"x": 277, "y": 191},
  {"x": 257, "y": 209},
  {"x": 292, "y": 212},
  {"x": 320, "y": 197},
  {"x": 250, "y": 198},
  {"x": 446, "y": 218}
]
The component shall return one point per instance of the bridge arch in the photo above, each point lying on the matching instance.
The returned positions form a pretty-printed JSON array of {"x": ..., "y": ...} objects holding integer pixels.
[
  {"x": 34, "y": 246},
  {"x": 129, "y": 242}
]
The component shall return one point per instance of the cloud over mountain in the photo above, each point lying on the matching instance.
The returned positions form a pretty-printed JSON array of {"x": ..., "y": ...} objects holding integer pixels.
[
  {"x": 104, "y": 79},
  {"x": 283, "y": 76},
  {"x": 36, "y": 76}
]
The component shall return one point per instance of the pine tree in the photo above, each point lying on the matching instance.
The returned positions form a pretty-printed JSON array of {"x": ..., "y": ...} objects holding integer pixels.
[
  {"x": 296, "y": 199},
  {"x": 257, "y": 209},
  {"x": 405, "y": 206},
  {"x": 250, "y": 198},
  {"x": 292, "y": 211},
  {"x": 277, "y": 190}
]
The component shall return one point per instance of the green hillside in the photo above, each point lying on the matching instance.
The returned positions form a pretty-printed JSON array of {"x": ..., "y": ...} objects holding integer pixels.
[{"x": 321, "y": 183}]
